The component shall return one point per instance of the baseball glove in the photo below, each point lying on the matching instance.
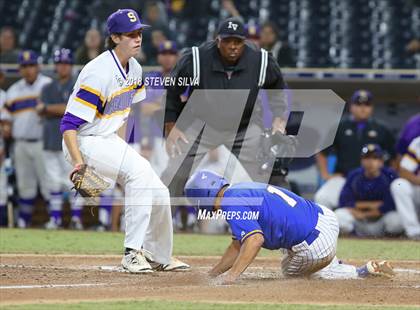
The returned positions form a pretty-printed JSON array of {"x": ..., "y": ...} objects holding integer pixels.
[{"x": 87, "y": 182}]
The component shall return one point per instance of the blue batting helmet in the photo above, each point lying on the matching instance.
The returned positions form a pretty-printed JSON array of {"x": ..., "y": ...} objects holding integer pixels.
[{"x": 203, "y": 187}]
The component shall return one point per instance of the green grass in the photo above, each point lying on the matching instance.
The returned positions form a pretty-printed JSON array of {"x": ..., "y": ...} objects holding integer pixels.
[
  {"x": 164, "y": 305},
  {"x": 87, "y": 242}
]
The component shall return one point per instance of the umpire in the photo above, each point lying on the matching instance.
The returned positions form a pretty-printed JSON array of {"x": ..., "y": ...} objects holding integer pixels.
[{"x": 226, "y": 63}]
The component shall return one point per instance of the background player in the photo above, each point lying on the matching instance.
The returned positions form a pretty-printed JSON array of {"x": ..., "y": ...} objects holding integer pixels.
[
  {"x": 310, "y": 235},
  {"x": 355, "y": 131},
  {"x": 366, "y": 205},
  {"x": 99, "y": 105},
  {"x": 406, "y": 190},
  {"x": 3, "y": 176},
  {"x": 51, "y": 107},
  {"x": 26, "y": 131}
]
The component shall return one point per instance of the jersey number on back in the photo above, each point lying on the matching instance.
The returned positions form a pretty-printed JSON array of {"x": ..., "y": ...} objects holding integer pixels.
[{"x": 273, "y": 190}]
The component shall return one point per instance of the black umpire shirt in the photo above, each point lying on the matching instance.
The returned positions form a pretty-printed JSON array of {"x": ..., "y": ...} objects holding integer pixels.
[
  {"x": 215, "y": 75},
  {"x": 352, "y": 136}
]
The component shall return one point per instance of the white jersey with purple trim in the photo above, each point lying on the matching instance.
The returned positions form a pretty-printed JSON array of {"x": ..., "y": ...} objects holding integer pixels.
[
  {"x": 21, "y": 100},
  {"x": 104, "y": 93},
  {"x": 411, "y": 159}
]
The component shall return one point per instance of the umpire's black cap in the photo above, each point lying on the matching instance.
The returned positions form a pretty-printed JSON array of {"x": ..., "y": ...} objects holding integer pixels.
[{"x": 232, "y": 27}]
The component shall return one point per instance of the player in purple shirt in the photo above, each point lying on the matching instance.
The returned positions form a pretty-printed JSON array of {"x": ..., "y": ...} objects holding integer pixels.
[
  {"x": 366, "y": 205},
  {"x": 263, "y": 215},
  {"x": 410, "y": 131}
]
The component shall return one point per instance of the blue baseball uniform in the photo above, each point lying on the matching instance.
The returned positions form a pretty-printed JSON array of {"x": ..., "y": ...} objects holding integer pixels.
[
  {"x": 307, "y": 232},
  {"x": 284, "y": 218}
]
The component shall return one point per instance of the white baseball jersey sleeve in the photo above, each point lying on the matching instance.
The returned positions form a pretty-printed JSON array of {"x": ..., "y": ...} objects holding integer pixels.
[
  {"x": 411, "y": 159},
  {"x": 104, "y": 92},
  {"x": 21, "y": 100}
]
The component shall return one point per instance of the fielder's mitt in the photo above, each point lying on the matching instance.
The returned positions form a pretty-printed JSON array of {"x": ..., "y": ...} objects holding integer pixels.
[{"x": 87, "y": 182}]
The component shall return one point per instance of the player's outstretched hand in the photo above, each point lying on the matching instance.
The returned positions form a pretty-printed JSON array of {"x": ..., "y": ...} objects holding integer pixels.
[
  {"x": 223, "y": 279},
  {"x": 172, "y": 142},
  {"x": 278, "y": 125}
]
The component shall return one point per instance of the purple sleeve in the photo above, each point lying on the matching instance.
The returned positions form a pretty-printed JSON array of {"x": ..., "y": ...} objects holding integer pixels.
[
  {"x": 71, "y": 122},
  {"x": 410, "y": 131}
]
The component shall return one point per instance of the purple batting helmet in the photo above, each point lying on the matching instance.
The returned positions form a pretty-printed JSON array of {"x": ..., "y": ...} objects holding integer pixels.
[
  {"x": 63, "y": 56},
  {"x": 123, "y": 21},
  {"x": 203, "y": 187}
]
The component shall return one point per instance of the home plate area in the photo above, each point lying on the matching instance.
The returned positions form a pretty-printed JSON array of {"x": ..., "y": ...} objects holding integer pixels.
[{"x": 68, "y": 278}]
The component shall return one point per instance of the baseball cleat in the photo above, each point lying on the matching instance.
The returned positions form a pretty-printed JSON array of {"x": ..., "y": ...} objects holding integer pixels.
[
  {"x": 381, "y": 268},
  {"x": 76, "y": 223},
  {"x": 52, "y": 224},
  {"x": 135, "y": 262},
  {"x": 21, "y": 223},
  {"x": 174, "y": 265}
]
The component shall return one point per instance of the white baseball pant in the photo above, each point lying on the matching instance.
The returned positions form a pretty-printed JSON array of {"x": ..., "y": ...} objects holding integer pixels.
[
  {"x": 3, "y": 184},
  {"x": 389, "y": 223},
  {"x": 30, "y": 169},
  {"x": 407, "y": 200},
  {"x": 318, "y": 258},
  {"x": 329, "y": 193},
  {"x": 58, "y": 180},
  {"x": 148, "y": 220}
]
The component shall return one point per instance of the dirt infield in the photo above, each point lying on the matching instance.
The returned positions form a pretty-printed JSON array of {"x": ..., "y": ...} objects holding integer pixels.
[{"x": 67, "y": 278}]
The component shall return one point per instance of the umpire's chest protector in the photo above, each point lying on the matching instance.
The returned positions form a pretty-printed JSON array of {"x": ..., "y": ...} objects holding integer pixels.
[{"x": 248, "y": 75}]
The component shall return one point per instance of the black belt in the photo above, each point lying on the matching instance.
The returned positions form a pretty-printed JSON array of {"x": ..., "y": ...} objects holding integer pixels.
[
  {"x": 315, "y": 232},
  {"x": 28, "y": 140}
]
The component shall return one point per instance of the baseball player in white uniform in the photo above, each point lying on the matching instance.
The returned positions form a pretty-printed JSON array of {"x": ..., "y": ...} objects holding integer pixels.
[
  {"x": 406, "y": 190},
  {"x": 99, "y": 105},
  {"x": 51, "y": 107},
  {"x": 26, "y": 131}
]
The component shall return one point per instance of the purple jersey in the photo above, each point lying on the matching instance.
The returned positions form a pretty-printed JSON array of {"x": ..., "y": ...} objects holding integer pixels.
[
  {"x": 360, "y": 188},
  {"x": 410, "y": 131}
]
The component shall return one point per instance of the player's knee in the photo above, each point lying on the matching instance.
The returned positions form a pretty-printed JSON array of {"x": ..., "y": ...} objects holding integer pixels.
[
  {"x": 289, "y": 270},
  {"x": 321, "y": 196},
  {"x": 27, "y": 194},
  {"x": 400, "y": 187},
  {"x": 345, "y": 220},
  {"x": 393, "y": 224}
]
